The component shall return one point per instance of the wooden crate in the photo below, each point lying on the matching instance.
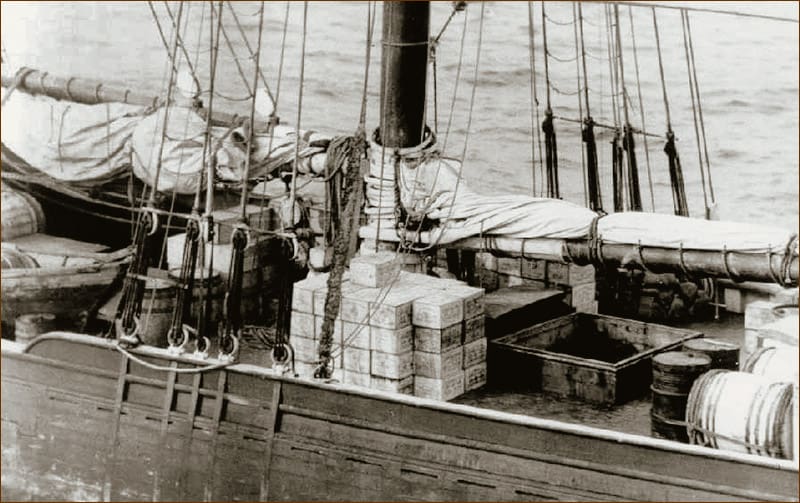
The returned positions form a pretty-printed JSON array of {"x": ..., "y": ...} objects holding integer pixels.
[
  {"x": 376, "y": 270},
  {"x": 439, "y": 365},
  {"x": 439, "y": 340},
  {"x": 437, "y": 311},
  {"x": 596, "y": 358},
  {"x": 475, "y": 376},
  {"x": 439, "y": 389}
]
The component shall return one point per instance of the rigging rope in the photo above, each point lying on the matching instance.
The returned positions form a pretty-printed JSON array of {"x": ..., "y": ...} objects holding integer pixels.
[
  {"x": 595, "y": 202},
  {"x": 642, "y": 112},
  {"x": 616, "y": 149},
  {"x": 229, "y": 340},
  {"x": 700, "y": 108},
  {"x": 250, "y": 51},
  {"x": 634, "y": 195},
  {"x": 580, "y": 100},
  {"x": 274, "y": 119},
  {"x": 548, "y": 128},
  {"x": 239, "y": 69},
  {"x": 680, "y": 205},
  {"x": 534, "y": 104},
  {"x": 716, "y": 11},
  {"x": 406, "y": 245},
  {"x": 293, "y": 193},
  {"x": 127, "y": 319},
  {"x": 180, "y": 43},
  {"x": 694, "y": 115}
]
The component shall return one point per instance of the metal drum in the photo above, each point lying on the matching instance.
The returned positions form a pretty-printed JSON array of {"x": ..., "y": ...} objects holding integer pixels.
[
  {"x": 724, "y": 355},
  {"x": 673, "y": 375},
  {"x": 741, "y": 412}
]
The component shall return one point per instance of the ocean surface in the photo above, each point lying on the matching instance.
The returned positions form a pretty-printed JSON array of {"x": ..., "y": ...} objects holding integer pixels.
[{"x": 747, "y": 71}]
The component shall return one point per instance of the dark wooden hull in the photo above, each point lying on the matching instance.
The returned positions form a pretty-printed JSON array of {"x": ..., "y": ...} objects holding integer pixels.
[{"x": 81, "y": 421}]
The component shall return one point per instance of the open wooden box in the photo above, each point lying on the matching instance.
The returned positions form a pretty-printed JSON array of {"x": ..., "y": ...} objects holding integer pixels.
[{"x": 596, "y": 358}]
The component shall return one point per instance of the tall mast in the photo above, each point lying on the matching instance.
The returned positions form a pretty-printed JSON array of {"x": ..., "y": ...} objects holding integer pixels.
[{"x": 404, "y": 72}]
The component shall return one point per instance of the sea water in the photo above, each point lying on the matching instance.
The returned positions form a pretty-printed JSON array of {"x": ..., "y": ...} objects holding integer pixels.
[{"x": 747, "y": 71}]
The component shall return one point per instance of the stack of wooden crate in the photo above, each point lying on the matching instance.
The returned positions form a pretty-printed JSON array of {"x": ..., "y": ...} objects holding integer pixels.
[
  {"x": 395, "y": 331},
  {"x": 501, "y": 272}
]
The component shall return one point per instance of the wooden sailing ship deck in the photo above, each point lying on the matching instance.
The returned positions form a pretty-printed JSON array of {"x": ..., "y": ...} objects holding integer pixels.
[
  {"x": 82, "y": 421},
  {"x": 86, "y": 417}
]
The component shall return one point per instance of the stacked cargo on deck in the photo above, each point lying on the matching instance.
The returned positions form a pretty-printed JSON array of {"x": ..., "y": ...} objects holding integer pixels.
[
  {"x": 577, "y": 281},
  {"x": 395, "y": 330}
]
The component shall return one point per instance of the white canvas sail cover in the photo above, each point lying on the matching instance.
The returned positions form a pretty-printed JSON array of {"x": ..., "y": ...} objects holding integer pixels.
[
  {"x": 88, "y": 145},
  {"x": 430, "y": 185},
  {"x": 85, "y": 145}
]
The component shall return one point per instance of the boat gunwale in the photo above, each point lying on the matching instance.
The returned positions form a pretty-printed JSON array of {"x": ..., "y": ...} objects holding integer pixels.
[{"x": 19, "y": 350}]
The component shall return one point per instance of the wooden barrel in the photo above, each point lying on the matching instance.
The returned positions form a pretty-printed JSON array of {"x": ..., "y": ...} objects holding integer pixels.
[
  {"x": 15, "y": 259},
  {"x": 673, "y": 375},
  {"x": 29, "y": 326},
  {"x": 724, "y": 355},
  {"x": 21, "y": 214},
  {"x": 741, "y": 412},
  {"x": 212, "y": 286},
  {"x": 157, "y": 308},
  {"x": 775, "y": 364}
]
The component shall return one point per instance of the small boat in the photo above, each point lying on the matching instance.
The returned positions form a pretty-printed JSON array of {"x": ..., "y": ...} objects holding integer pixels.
[{"x": 69, "y": 286}]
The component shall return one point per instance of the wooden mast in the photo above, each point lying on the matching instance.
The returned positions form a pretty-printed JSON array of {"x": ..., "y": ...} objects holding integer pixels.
[{"x": 403, "y": 72}]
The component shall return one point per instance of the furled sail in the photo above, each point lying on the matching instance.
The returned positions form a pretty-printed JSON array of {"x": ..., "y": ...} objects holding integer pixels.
[
  {"x": 430, "y": 188},
  {"x": 87, "y": 145}
]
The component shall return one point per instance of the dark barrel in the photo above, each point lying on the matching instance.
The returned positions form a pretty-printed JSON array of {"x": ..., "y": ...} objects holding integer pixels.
[
  {"x": 673, "y": 375},
  {"x": 723, "y": 355}
]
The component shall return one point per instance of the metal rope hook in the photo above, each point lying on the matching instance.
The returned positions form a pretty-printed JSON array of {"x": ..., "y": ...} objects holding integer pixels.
[
  {"x": 282, "y": 355},
  {"x": 177, "y": 346},
  {"x": 128, "y": 337}
]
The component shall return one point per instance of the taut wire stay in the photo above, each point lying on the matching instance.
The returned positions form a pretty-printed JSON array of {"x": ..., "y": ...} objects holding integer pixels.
[
  {"x": 587, "y": 131},
  {"x": 693, "y": 96},
  {"x": 250, "y": 51},
  {"x": 617, "y": 173},
  {"x": 534, "y": 105},
  {"x": 293, "y": 193},
  {"x": 580, "y": 99},
  {"x": 699, "y": 108},
  {"x": 634, "y": 195},
  {"x": 274, "y": 118},
  {"x": 675, "y": 171},
  {"x": 641, "y": 110},
  {"x": 548, "y": 127}
]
